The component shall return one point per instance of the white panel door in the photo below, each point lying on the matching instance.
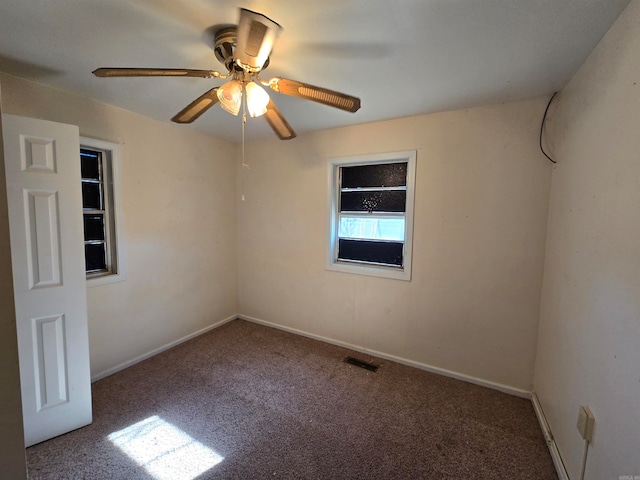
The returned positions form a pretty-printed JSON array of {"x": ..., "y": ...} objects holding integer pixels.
[{"x": 42, "y": 162}]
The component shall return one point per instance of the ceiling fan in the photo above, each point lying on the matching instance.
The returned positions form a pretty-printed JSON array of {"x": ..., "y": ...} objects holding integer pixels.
[{"x": 244, "y": 51}]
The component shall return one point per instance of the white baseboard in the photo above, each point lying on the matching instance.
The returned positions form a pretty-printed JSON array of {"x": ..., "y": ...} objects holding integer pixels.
[
  {"x": 129, "y": 363},
  {"x": 548, "y": 436},
  {"x": 422, "y": 366}
]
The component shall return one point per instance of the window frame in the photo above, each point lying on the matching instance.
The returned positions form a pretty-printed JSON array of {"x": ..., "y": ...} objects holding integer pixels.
[
  {"x": 112, "y": 198},
  {"x": 364, "y": 268}
]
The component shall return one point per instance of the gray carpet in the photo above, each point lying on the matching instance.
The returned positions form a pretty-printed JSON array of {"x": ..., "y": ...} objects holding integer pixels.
[{"x": 249, "y": 402}]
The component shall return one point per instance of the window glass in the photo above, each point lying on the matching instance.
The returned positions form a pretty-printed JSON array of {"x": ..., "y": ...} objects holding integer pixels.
[
  {"x": 94, "y": 227},
  {"x": 95, "y": 241},
  {"x": 379, "y": 188},
  {"x": 90, "y": 165},
  {"x": 95, "y": 256},
  {"x": 91, "y": 196},
  {"x": 373, "y": 201},
  {"x": 380, "y": 175},
  {"x": 372, "y": 228},
  {"x": 381, "y": 253}
]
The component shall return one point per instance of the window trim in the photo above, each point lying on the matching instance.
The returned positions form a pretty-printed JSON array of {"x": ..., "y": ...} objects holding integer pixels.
[
  {"x": 113, "y": 200},
  {"x": 333, "y": 166}
]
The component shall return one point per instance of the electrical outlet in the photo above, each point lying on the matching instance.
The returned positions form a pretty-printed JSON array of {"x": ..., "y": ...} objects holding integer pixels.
[{"x": 586, "y": 421}]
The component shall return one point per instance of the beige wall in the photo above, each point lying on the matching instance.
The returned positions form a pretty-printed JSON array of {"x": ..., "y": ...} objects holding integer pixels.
[
  {"x": 12, "y": 459},
  {"x": 178, "y": 194},
  {"x": 589, "y": 340},
  {"x": 482, "y": 191}
]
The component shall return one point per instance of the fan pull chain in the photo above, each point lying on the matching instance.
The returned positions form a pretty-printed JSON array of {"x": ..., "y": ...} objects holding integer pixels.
[{"x": 244, "y": 165}]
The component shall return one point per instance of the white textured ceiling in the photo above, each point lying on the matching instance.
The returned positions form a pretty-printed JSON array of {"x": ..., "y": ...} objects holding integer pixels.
[{"x": 401, "y": 57}]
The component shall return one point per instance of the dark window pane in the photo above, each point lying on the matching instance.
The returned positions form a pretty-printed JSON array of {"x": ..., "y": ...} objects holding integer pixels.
[
  {"x": 94, "y": 227},
  {"x": 95, "y": 257},
  {"x": 90, "y": 164},
  {"x": 91, "y": 196},
  {"x": 384, "y": 175},
  {"x": 383, "y": 201},
  {"x": 388, "y": 253}
]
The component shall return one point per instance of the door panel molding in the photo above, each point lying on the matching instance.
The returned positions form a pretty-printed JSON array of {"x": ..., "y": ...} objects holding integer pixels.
[
  {"x": 42, "y": 238},
  {"x": 38, "y": 154},
  {"x": 50, "y": 361}
]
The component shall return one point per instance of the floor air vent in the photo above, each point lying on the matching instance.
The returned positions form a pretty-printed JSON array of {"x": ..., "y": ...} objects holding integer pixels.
[{"x": 359, "y": 363}]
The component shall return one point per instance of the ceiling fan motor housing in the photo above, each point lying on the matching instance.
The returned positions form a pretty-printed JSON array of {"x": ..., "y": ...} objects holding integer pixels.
[
  {"x": 224, "y": 46},
  {"x": 258, "y": 35}
]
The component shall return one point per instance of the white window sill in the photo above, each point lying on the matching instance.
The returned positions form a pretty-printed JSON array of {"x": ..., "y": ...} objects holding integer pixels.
[
  {"x": 105, "y": 279},
  {"x": 370, "y": 270}
]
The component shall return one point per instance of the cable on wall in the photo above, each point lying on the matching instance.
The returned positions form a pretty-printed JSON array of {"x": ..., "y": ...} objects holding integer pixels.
[
  {"x": 584, "y": 459},
  {"x": 544, "y": 119}
]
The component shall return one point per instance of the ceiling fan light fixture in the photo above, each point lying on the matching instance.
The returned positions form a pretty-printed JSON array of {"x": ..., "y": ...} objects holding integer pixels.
[
  {"x": 257, "y": 99},
  {"x": 230, "y": 96}
]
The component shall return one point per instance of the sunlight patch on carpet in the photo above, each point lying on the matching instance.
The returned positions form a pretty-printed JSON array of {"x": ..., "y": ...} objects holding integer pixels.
[{"x": 165, "y": 451}]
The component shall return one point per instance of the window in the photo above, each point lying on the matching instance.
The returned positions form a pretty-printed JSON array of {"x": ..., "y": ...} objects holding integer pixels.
[
  {"x": 99, "y": 162},
  {"x": 371, "y": 214}
]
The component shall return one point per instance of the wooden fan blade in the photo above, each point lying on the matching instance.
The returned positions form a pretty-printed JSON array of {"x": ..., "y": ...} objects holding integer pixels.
[
  {"x": 196, "y": 108},
  {"x": 153, "y": 72},
  {"x": 316, "y": 94},
  {"x": 278, "y": 123},
  {"x": 255, "y": 38}
]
